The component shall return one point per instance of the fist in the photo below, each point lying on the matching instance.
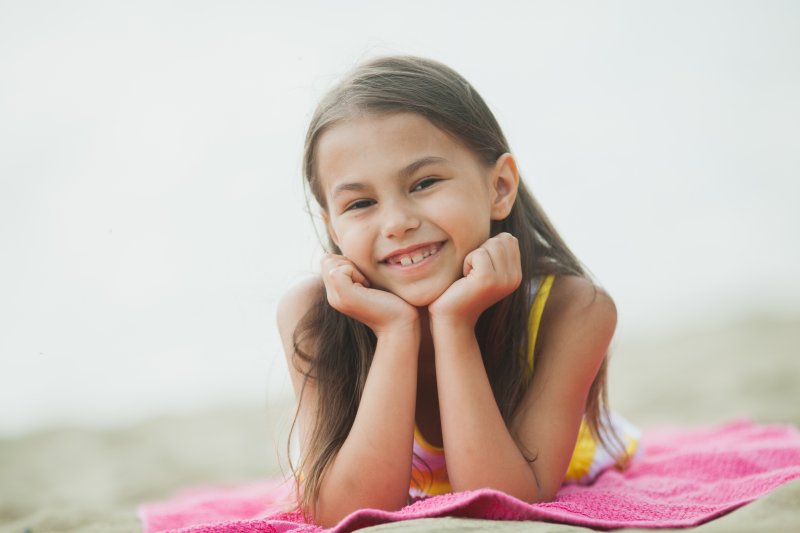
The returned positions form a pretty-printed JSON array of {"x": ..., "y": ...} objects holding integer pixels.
[
  {"x": 491, "y": 272},
  {"x": 349, "y": 292}
]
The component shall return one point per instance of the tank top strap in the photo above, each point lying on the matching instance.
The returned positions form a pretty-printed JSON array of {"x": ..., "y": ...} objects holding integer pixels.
[{"x": 535, "y": 317}]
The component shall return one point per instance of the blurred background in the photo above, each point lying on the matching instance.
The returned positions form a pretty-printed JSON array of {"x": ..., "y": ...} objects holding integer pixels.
[{"x": 152, "y": 212}]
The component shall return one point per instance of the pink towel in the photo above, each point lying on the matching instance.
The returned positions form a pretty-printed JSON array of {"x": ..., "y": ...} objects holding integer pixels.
[{"x": 684, "y": 477}]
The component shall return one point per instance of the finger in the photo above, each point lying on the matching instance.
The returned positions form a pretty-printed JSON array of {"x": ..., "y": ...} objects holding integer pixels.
[
  {"x": 341, "y": 282},
  {"x": 339, "y": 287},
  {"x": 329, "y": 262},
  {"x": 508, "y": 260},
  {"x": 467, "y": 264},
  {"x": 356, "y": 275},
  {"x": 504, "y": 251},
  {"x": 496, "y": 248},
  {"x": 515, "y": 256},
  {"x": 479, "y": 261},
  {"x": 514, "y": 262},
  {"x": 344, "y": 274},
  {"x": 360, "y": 278}
]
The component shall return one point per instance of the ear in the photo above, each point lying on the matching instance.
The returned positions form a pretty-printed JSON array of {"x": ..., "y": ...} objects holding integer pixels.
[
  {"x": 329, "y": 227},
  {"x": 504, "y": 183}
]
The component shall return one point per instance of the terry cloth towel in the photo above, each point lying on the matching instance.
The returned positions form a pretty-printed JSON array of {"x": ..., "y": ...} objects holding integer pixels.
[{"x": 684, "y": 477}]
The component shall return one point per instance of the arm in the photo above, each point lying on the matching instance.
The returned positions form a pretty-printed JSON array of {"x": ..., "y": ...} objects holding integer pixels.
[
  {"x": 577, "y": 327},
  {"x": 373, "y": 466},
  {"x": 481, "y": 451},
  {"x": 479, "y": 448}
]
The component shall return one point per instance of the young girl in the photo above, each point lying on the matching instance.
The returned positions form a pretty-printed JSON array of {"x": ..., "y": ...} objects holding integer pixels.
[{"x": 452, "y": 341}]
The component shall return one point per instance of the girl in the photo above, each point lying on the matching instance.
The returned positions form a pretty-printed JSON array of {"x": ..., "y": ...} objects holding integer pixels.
[{"x": 452, "y": 341}]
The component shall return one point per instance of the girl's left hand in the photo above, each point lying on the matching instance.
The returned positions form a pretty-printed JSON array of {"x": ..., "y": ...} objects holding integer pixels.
[{"x": 491, "y": 272}]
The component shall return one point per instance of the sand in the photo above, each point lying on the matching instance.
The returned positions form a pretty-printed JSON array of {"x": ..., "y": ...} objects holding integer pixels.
[{"x": 88, "y": 480}]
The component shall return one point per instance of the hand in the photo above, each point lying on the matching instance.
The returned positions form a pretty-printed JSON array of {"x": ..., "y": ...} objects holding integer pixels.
[
  {"x": 349, "y": 292},
  {"x": 491, "y": 272}
]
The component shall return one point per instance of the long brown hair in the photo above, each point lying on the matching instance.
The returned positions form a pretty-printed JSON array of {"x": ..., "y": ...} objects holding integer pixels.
[{"x": 339, "y": 365}]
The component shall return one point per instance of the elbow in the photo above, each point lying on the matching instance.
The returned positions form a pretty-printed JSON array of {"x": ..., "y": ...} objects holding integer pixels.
[
  {"x": 537, "y": 492},
  {"x": 544, "y": 492},
  {"x": 326, "y": 519},
  {"x": 534, "y": 496},
  {"x": 545, "y": 496},
  {"x": 328, "y": 516},
  {"x": 528, "y": 492},
  {"x": 343, "y": 493},
  {"x": 537, "y": 495}
]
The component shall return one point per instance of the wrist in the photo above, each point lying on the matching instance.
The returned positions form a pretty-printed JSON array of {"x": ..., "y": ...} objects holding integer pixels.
[
  {"x": 451, "y": 325},
  {"x": 451, "y": 320},
  {"x": 406, "y": 330}
]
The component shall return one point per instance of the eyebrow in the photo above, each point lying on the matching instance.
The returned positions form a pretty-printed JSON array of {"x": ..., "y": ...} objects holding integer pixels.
[
  {"x": 419, "y": 163},
  {"x": 403, "y": 173}
]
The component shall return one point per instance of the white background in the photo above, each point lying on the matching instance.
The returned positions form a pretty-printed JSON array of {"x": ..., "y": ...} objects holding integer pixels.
[{"x": 151, "y": 208}]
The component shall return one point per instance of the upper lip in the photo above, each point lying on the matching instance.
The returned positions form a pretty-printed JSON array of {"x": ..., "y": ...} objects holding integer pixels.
[{"x": 408, "y": 249}]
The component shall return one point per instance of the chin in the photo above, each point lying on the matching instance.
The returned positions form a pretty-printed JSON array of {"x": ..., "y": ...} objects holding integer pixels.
[{"x": 420, "y": 296}]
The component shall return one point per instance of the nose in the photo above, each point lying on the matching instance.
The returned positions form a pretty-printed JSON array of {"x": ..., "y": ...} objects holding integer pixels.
[{"x": 397, "y": 219}]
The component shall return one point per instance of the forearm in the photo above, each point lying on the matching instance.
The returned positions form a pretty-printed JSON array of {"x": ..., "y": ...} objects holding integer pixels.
[
  {"x": 373, "y": 466},
  {"x": 479, "y": 448}
]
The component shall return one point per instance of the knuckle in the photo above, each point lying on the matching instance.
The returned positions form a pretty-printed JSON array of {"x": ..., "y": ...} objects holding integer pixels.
[
  {"x": 339, "y": 303},
  {"x": 333, "y": 299}
]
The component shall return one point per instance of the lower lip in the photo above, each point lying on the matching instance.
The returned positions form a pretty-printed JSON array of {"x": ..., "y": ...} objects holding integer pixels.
[{"x": 413, "y": 267}]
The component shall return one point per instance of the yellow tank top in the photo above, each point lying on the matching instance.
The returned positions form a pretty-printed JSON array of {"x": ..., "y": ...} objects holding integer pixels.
[{"x": 429, "y": 470}]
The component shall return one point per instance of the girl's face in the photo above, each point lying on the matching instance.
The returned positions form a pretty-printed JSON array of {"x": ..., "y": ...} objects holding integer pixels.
[{"x": 406, "y": 202}]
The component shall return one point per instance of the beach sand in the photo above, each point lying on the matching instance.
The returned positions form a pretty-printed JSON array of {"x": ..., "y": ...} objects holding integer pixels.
[{"x": 87, "y": 480}]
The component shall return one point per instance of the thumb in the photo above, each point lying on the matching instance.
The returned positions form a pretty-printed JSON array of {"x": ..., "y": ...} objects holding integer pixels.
[{"x": 468, "y": 264}]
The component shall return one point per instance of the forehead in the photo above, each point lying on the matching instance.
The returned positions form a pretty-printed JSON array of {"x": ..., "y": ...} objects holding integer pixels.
[{"x": 368, "y": 146}]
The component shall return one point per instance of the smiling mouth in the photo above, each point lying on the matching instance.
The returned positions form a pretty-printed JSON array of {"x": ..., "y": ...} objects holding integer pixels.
[{"x": 415, "y": 256}]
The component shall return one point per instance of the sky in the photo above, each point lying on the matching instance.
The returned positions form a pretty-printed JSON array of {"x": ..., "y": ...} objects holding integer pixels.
[{"x": 152, "y": 211}]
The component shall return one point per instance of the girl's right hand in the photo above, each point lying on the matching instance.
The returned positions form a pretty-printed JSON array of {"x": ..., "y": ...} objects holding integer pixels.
[{"x": 349, "y": 292}]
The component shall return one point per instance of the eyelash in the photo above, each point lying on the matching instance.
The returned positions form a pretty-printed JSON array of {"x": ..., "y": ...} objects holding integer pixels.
[
  {"x": 357, "y": 203},
  {"x": 430, "y": 180}
]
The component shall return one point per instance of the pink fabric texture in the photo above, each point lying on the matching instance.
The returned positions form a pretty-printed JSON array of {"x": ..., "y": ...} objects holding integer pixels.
[{"x": 684, "y": 477}]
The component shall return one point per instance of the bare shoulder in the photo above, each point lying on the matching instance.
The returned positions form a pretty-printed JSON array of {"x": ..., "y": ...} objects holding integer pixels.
[
  {"x": 292, "y": 307},
  {"x": 574, "y": 294},
  {"x": 296, "y": 302},
  {"x": 579, "y": 309}
]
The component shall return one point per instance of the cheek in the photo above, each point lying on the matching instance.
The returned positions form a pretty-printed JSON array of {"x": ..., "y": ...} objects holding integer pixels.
[
  {"x": 466, "y": 222},
  {"x": 355, "y": 246}
]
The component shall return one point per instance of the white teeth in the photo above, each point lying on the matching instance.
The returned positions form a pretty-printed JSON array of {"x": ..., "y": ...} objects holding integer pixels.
[{"x": 418, "y": 256}]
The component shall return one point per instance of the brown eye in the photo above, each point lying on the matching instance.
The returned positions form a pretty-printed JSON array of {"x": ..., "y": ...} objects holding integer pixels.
[
  {"x": 359, "y": 204},
  {"x": 424, "y": 184}
]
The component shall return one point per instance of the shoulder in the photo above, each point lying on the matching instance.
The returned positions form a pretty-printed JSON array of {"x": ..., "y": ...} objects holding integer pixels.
[
  {"x": 296, "y": 301},
  {"x": 574, "y": 295},
  {"x": 293, "y": 306},
  {"x": 578, "y": 312}
]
